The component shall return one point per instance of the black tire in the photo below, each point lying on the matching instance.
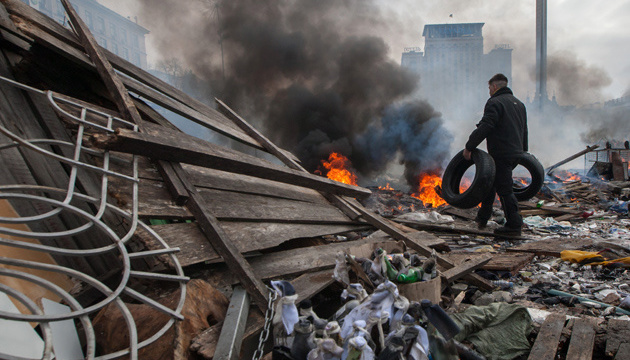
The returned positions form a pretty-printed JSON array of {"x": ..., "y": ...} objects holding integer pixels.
[
  {"x": 481, "y": 184},
  {"x": 537, "y": 173}
]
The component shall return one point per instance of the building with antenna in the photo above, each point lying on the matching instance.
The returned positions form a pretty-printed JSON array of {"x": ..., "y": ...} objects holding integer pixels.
[
  {"x": 453, "y": 65},
  {"x": 116, "y": 33}
]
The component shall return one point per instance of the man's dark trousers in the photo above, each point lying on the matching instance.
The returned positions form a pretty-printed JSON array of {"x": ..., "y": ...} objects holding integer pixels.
[{"x": 503, "y": 184}]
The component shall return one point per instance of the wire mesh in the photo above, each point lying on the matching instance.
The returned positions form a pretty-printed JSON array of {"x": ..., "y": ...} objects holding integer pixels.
[{"x": 92, "y": 217}]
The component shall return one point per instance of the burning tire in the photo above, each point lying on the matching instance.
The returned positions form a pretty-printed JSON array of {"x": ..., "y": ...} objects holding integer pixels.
[
  {"x": 480, "y": 186},
  {"x": 537, "y": 172}
]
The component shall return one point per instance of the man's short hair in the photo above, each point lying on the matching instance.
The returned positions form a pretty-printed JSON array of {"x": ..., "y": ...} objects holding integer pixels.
[{"x": 499, "y": 79}]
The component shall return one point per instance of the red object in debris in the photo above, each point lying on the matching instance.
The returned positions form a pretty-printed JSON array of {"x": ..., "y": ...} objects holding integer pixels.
[{"x": 587, "y": 214}]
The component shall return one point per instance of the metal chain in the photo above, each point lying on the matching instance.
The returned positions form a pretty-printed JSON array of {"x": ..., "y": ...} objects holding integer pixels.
[{"x": 264, "y": 334}]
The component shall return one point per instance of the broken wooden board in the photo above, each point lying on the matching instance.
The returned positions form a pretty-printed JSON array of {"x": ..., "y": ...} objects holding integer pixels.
[
  {"x": 548, "y": 338},
  {"x": 155, "y": 202},
  {"x": 582, "y": 339},
  {"x": 511, "y": 262},
  {"x": 465, "y": 267},
  {"x": 166, "y": 144},
  {"x": 207, "y": 178},
  {"x": 247, "y": 237},
  {"x": 552, "y": 247},
  {"x": 296, "y": 261}
]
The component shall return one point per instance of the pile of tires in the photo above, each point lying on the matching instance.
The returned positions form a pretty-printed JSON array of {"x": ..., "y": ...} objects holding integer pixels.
[{"x": 484, "y": 179}]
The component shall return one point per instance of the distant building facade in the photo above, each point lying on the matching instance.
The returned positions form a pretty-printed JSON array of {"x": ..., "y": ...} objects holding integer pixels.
[
  {"x": 453, "y": 68},
  {"x": 112, "y": 31}
]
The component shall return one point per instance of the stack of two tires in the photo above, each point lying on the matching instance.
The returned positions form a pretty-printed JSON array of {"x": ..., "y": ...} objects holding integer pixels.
[{"x": 483, "y": 181}]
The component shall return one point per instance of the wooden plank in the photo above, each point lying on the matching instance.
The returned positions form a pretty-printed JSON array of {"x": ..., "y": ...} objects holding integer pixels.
[
  {"x": 246, "y": 236},
  {"x": 238, "y": 206},
  {"x": 172, "y": 146},
  {"x": 288, "y": 263},
  {"x": 465, "y": 268},
  {"x": 116, "y": 88},
  {"x": 588, "y": 149},
  {"x": 618, "y": 333},
  {"x": 205, "y": 178},
  {"x": 174, "y": 185},
  {"x": 511, "y": 262},
  {"x": 582, "y": 339},
  {"x": 552, "y": 247},
  {"x": 155, "y": 202},
  {"x": 223, "y": 180},
  {"x": 422, "y": 249},
  {"x": 548, "y": 338},
  {"x": 210, "y": 226}
]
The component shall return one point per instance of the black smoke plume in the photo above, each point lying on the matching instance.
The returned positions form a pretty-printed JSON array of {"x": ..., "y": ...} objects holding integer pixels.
[{"x": 311, "y": 75}]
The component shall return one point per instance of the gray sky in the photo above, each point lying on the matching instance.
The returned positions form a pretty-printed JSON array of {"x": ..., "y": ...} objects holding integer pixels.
[{"x": 594, "y": 34}]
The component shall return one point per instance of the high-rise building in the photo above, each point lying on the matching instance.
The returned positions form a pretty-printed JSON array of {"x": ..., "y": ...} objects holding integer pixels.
[
  {"x": 453, "y": 68},
  {"x": 118, "y": 34}
]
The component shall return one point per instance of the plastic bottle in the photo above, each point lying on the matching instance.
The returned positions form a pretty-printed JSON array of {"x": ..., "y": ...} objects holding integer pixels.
[
  {"x": 413, "y": 274},
  {"x": 390, "y": 271},
  {"x": 440, "y": 319}
]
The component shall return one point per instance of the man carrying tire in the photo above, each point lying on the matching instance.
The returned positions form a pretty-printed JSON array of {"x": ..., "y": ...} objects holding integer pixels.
[{"x": 504, "y": 126}]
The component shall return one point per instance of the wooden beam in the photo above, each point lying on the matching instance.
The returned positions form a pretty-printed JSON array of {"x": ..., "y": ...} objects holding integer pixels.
[
  {"x": 223, "y": 245},
  {"x": 588, "y": 149},
  {"x": 119, "y": 93},
  {"x": 465, "y": 268},
  {"x": 173, "y": 183},
  {"x": 165, "y": 144},
  {"x": 546, "y": 344},
  {"x": 247, "y": 236},
  {"x": 582, "y": 339}
]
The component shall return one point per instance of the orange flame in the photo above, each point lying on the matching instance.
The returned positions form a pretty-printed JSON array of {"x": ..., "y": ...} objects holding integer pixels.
[
  {"x": 337, "y": 166},
  {"x": 567, "y": 176},
  {"x": 386, "y": 187},
  {"x": 426, "y": 190}
]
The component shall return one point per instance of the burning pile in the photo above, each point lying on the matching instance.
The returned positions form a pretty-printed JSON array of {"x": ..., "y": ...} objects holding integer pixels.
[
  {"x": 426, "y": 190},
  {"x": 337, "y": 168}
]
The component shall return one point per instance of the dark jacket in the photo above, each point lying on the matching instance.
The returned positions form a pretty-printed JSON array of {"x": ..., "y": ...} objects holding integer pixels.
[{"x": 503, "y": 125}]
